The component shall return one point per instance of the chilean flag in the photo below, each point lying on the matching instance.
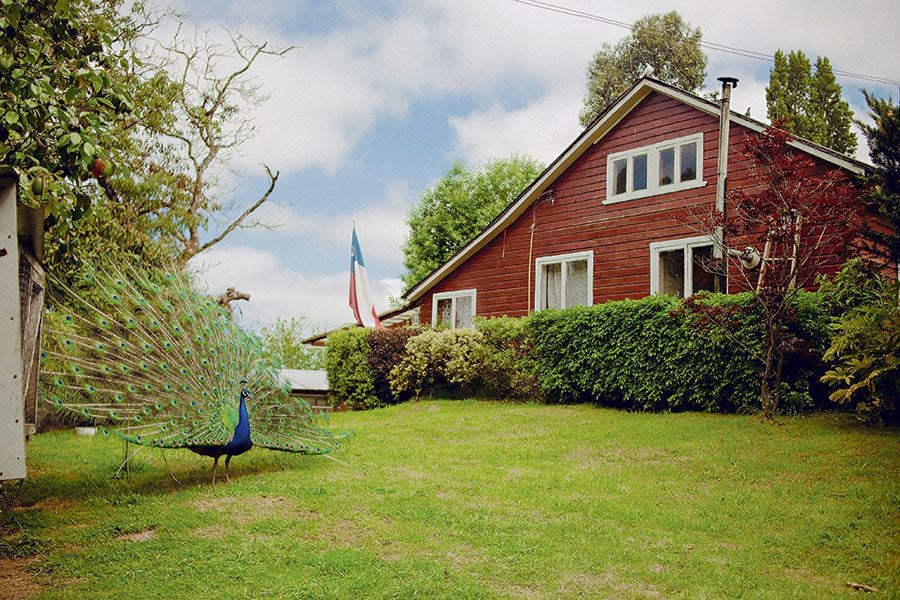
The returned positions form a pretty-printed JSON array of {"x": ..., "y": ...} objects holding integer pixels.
[{"x": 360, "y": 295}]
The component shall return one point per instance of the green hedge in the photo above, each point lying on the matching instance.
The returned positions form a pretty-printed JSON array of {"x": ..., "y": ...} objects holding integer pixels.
[
  {"x": 350, "y": 376},
  {"x": 387, "y": 346},
  {"x": 651, "y": 354},
  {"x": 508, "y": 367}
]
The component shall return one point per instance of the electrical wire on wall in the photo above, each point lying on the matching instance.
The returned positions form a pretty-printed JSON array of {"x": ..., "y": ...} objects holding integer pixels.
[{"x": 546, "y": 196}]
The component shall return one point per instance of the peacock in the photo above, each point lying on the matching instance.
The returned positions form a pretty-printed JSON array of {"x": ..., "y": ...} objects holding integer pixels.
[{"x": 157, "y": 363}]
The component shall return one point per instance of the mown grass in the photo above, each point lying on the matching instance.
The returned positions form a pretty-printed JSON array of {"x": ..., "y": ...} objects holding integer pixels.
[{"x": 472, "y": 500}]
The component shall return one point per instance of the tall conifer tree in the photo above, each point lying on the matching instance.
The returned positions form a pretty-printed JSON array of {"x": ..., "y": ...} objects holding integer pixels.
[{"x": 810, "y": 101}]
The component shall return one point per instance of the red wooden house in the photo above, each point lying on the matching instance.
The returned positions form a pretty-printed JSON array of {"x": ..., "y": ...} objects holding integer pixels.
[{"x": 610, "y": 218}]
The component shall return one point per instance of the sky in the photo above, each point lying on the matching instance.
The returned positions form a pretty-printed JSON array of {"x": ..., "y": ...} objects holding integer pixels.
[{"x": 379, "y": 98}]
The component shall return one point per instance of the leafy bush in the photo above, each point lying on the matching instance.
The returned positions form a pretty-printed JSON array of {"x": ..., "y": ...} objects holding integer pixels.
[
  {"x": 436, "y": 358},
  {"x": 350, "y": 374},
  {"x": 507, "y": 358},
  {"x": 866, "y": 343},
  {"x": 387, "y": 346},
  {"x": 653, "y": 354},
  {"x": 282, "y": 343}
]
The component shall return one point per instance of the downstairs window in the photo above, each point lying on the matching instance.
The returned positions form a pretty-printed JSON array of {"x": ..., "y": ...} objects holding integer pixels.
[
  {"x": 684, "y": 267},
  {"x": 453, "y": 309},
  {"x": 564, "y": 281}
]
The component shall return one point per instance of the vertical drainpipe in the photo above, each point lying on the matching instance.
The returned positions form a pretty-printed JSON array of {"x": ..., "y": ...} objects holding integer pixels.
[{"x": 722, "y": 170}]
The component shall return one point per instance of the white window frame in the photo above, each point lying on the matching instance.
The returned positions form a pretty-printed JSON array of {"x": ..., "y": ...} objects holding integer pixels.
[
  {"x": 562, "y": 258},
  {"x": 653, "y": 187},
  {"x": 453, "y": 296},
  {"x": 686, "y": 244}
]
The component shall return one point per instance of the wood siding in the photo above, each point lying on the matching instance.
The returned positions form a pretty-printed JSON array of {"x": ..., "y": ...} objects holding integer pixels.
[{"x": 619, "y": 234}]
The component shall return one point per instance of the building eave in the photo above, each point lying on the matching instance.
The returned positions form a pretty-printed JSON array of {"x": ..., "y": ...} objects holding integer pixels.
[{"x": 595, "y": 132}]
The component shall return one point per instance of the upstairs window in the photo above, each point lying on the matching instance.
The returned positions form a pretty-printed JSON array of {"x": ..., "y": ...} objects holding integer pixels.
[
  {"x": 658, "y": 169},
  {"x": 454, "y": 309},
  {"x": 564, "y": 281}
]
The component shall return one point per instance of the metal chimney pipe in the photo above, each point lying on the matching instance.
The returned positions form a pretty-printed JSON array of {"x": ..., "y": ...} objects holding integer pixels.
[
  {"x": 724, "y": 126},
  {"x": 722, "y": 169}
]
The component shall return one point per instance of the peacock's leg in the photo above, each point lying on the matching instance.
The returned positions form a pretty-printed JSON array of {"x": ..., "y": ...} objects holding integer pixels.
[
  {"x": 227, "y": 460},
  {"x": 215, "y": 464}
]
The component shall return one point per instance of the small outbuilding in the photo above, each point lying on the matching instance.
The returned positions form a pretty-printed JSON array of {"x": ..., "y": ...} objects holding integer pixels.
[{"x": 310, "y": 385}]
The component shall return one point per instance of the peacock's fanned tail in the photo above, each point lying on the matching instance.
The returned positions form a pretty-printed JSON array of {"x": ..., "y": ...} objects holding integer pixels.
[{"x": 160, "y": 364}]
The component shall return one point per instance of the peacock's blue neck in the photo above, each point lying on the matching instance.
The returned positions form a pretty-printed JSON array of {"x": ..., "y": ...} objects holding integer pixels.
[{"x": 240, "y": 441}]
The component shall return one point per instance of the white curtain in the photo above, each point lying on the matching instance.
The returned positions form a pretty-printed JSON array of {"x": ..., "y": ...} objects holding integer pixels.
[
  {"x": 576, "y": 283},
  {"x": 464, "y": 311},
  {"x": 552, "y": 292}
]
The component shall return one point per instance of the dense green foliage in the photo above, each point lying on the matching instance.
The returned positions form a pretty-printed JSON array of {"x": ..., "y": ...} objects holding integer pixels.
[
  {"x": 662, "y": 41},
  {"x": 866, "y": 343},
  {"x": 650, "y": 354},
  {"x": 433, "y": 359},
  {"x": 282, "y": 343},
  {"x": 121, "y": 135},
  {"x": 457, "y": 208},
  {"x": 65, "y": 96},
  {"x": 472, "y": 500},
  {"x": 658, "y": 353},
  {"x": 883, "y": 136},
  {"x": 350, "y": 376},
  {"x": 387, "y": 346},
  {"x": 493, "y": 361},
  {"x": 808, "y": 103},
  {"x": 507, "y": 371},
  {"x": 802, "y": 218}
]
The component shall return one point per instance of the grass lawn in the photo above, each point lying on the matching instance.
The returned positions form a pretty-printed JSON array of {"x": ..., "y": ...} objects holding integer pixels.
[{"x": 472, "y": 499}]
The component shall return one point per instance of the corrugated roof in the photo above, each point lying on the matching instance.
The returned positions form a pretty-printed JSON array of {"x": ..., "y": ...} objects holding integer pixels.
[{"x": 303, "y": 380}]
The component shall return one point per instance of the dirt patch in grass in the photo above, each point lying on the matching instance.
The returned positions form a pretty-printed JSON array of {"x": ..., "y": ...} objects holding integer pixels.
[
  {"x": 607, "y": 585},
  {"x": 138, "y": 536},
  {"x": 217, "y": 504},
  {"x": 16, "y": 583},
  {"x": 52, "y": 505},
  {"x": 463, "y": 556},
  {"x": 249, "y": 509},
  {"x": 407, "y": 473},
  {"x": 209, "y": 532},
  {"x": 518, "y": 591},
  {"x": 515, "y": 472},
  {"x": 342, "y": 533},
  {"x": 587, "y": 458}
]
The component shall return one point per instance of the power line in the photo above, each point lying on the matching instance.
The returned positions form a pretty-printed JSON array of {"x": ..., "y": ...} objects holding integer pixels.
[{"x": 761, "y": 56}]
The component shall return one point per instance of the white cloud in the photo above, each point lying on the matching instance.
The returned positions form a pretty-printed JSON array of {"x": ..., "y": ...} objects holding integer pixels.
[
  {"x": 326, "y": 94},
  {"x": 276, "y": 290},
  {"x": 542, "y": 129}
]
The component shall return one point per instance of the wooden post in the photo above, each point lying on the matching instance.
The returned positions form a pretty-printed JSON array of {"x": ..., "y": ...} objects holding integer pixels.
[{"x": 12, "y": 414}]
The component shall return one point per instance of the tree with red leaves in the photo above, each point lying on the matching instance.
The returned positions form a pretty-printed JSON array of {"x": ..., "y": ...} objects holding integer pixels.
[{"x": 804, "y": 219}]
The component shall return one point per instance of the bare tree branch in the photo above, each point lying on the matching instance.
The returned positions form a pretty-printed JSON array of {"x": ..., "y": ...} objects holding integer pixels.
[{"x": 273, "y": 178}]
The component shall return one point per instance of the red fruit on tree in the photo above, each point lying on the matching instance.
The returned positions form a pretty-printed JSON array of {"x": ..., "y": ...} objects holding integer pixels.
[{"x": 98, "y": 168}]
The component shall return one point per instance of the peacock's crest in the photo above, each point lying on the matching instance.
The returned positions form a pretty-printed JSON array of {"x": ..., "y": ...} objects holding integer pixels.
[{"x": 158, "y": 363}]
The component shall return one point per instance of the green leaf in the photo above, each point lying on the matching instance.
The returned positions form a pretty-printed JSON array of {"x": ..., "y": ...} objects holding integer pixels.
[{"x": 11, "y": 117}]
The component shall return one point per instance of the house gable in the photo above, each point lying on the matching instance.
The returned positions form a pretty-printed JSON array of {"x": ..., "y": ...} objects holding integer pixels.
[{"x": 569, "y": 210}]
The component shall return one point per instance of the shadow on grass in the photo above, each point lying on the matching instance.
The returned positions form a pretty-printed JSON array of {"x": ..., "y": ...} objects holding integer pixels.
[{"x": 148, "y": 476}]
